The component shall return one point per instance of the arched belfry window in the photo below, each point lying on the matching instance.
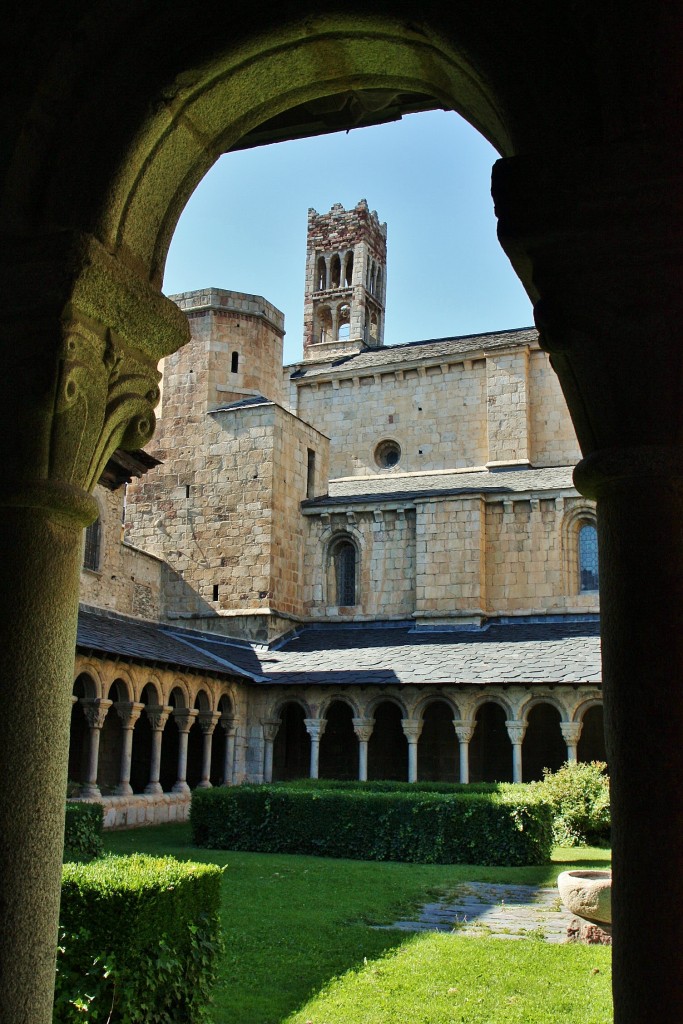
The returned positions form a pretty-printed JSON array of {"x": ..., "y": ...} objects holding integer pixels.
[
  {"x": 588, "y": 557},
  {"x": 348, "y": 270},
  {"x": 335, "y": 271},
  {"x": 91, "y": 548},
  {"x": 343, "y": 564},
  {"x": 321, "y": 276}
]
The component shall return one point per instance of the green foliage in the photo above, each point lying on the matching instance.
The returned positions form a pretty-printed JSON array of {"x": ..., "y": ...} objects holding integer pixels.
[
  {"x": 417, "y": 826},
  {"x": 83, "y": 831},
  {"x": 393, "y": 786},
  {"x": 579, "y": 796},
  {"x": 138, "y": 941}
]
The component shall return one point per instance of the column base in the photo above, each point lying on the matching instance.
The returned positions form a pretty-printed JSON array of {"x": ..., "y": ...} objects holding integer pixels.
[
  {"x": 204, "y": 784},
  {"x": 124, "y": 789},
  {"x": 90, "y": 792},
  {"x": 180, "y": 787},
  {"x": 153, "y": 787}
]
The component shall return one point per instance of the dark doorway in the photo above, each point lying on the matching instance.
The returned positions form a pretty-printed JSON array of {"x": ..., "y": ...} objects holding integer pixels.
[
  {"x": 338, "y": 746},
  {"x": 438, "y": 759},
  {"x": 490, "y": 746},
  {"x": 388, "y": 747}
]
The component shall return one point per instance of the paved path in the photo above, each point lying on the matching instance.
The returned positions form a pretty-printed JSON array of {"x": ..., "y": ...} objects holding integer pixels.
[{"x": 501, "y": 911}]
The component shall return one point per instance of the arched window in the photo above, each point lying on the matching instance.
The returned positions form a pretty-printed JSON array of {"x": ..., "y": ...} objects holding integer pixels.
[
  {"x": 588, "y": 557},
  {"x": 335, "y": 271},
  {"x": 321, "y": 276},
  {"x": 91, "y": 548},
  {"x": 348, "y": 270},
  {"x": 343, "y": 557},
  {"x": 344, "y": 322},
  {"x": 324, "y": 331},
  {"x": 234, "y": 362}
]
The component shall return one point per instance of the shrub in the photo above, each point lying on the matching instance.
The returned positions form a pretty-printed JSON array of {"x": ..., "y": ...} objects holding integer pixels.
[
  {"x": 424, "y": 827},
  {"x": 138, "y": 941},
  {"x": 579, "y": 796},
  {"x": 83, "y": 831}
]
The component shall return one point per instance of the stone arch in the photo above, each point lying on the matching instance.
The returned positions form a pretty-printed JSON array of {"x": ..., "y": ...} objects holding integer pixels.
[
  {"x": 321, "y": 274},
  {"x": 388, "y": 746},
  {"x": 526, "y": 706},
  {"x": 344, "y": 698},
  {"x": 88, "y": 683},
  {"x": 543, "y": 745},
  {"x": 591, "y": 745},
  {"x": 179, "y": 694},
  {"x": 292, "y": 744},
  {"x": 225, "y": 703},
  {"x": 421, "y": 706},
  {"x": 121, "y": 688},
  {"x": 151, "y": 690},
  {"x": 338, "y": 743},
  {"x": 323, "y": 319},
  {"x": 85, "y": 686},
  {"x": 343, "y": 321},
  {"x": 348, "y": 269},
  {"x": 437, "y": 747},
  {"x": 490, "y": 750},
  {"x": 335, "y": 271},
  {"x": 202, "y": 701}
]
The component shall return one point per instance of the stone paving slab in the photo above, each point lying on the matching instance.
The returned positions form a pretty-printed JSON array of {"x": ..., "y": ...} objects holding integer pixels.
[{"x": 500, "y": 911}]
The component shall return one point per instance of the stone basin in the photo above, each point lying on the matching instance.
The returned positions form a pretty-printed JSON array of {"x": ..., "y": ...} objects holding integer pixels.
[{"x": 588, "y": 894}]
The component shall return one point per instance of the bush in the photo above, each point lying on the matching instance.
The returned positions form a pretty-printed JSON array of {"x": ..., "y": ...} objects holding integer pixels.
[
  {"x": 138, "y": 941},
  {"x": 83, "y": 831},
  {"x": 579, "y": 796},
  {"x": 424, "y": 827}
]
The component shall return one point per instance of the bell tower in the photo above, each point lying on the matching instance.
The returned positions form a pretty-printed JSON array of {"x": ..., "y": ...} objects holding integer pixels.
[{"x": 346, "y": 259}]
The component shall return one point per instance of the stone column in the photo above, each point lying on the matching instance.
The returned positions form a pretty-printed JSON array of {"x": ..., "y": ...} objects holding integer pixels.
[
  {"x": 95, "y": 710},
  {"x": 363, "y": 729},
  {"x": 158, "y": 716},
  {"x": 516, "y": 731},
  {"x": 230, "y": 728},
  {"x": 595, "y": 234},
  {"x": 207, "y": 723},
  {"x": 184, "y": 719},
  {"x": 571, "y": 733},
  {"x": 82, "y": 335},
  {"x": 315, "y": 727},
  {"x": 411, "y": 730},
  {"x": 464, "y": 732},
  {"x": 270, "y": 728},
  {"x": 128, "y": 712}
]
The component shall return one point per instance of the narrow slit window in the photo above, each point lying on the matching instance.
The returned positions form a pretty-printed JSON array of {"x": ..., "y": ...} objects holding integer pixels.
[
  {"x": 235, "y": 362},
  {"x": 344, "y": 559},
  {"x": 310, "y": 474},
  {"x": 91, "y": 550},
  {"x": 215, "y": 591}
]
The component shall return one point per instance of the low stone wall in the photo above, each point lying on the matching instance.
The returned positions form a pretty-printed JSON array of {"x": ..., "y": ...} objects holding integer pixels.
[{"x": 143, "y": 809}]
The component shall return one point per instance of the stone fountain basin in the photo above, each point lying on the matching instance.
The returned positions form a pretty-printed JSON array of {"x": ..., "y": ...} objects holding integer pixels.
[{"x": 588, "y": 894}]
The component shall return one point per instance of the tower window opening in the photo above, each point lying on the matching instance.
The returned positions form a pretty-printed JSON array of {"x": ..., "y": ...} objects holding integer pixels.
[
  {"x": 321, "y": 275},
  {"x": 344, "y": 322},
  {"x": 335, "y": 271},
  {"x": 234, "y": 362},
  {"x": 348, "y": 270},
  {"x": 215, "y": 591}
]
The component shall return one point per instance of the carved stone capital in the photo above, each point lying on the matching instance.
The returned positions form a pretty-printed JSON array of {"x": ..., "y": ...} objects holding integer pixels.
[
  {"x": 229, "y": 724},
  {"x": 95, "y": 710},
  {"x": 412, "y": 729},
  {"x": 571, "y": 732},
  {"x": 184, "y": 718},
  {"x": 315, "y": 727},
  {"x": 363, "y": 728},
  {"x": 516, "y": 731},
  {"x": 129, "y": 712},
  {"x": 93, "y": 331},
  {"x": 208, "y": 721},
  {"x": 270, "y": 727},
  {"x": 463, "y": 730},
  {"x": 158, "y": 715}
]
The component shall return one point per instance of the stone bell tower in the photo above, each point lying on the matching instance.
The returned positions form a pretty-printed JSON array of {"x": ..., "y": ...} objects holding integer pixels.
[{"x": 346, "y": 259}]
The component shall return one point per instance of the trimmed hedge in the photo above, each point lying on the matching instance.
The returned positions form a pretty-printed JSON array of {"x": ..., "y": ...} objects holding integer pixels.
[
  {"x": 138, "y": 941},
  {"x": 83, "y": 831},
  {"x": 394, "y": 786},
  {"x": 423, "y": 827}
]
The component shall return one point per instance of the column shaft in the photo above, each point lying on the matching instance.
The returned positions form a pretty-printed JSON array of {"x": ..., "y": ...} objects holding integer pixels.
[
  {"x": 268, "y": 761},
  {"x": 40, "y": 561},
  {"x": 363, "y": 760},
  {"x": 464, "y": 761}
]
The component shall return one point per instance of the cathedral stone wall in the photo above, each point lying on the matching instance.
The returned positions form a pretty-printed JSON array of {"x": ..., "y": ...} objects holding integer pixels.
[
  {"x": 126, "y": 579},
  {"x": 552, "y": 436},
  {"x": 450, "y": 558}
]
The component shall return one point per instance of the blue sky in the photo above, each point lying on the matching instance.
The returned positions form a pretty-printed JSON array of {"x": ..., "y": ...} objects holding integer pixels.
[{"x": 428, "y": 176}]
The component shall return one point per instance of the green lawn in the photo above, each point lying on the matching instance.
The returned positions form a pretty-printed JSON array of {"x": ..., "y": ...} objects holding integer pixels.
[{"x": 299, "y": 949}]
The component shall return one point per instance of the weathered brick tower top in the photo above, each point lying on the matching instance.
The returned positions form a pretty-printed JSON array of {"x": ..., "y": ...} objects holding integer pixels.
[{"x": 346, "y": 258}]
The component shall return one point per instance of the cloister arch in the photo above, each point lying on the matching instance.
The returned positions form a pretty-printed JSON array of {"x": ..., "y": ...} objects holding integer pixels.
[
  {"x": 292, "y": 745},
  {"x": 589, "y": 211},
  {"x": 490, "y": 746},
  {"x": 591, "y": 745},
  {"x": 437, "y": 749},
  {"x": 338, "y": 744},
  {"x": 387, "y": 747},
  {"x": 543, "y": 745}
]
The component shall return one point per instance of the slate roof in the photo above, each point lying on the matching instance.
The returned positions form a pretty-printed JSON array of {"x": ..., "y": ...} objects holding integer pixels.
[
  {"x": 545, "y": 651},
  {"x": 395, "y": 487},
  {"x": 432, "y": 349}
]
